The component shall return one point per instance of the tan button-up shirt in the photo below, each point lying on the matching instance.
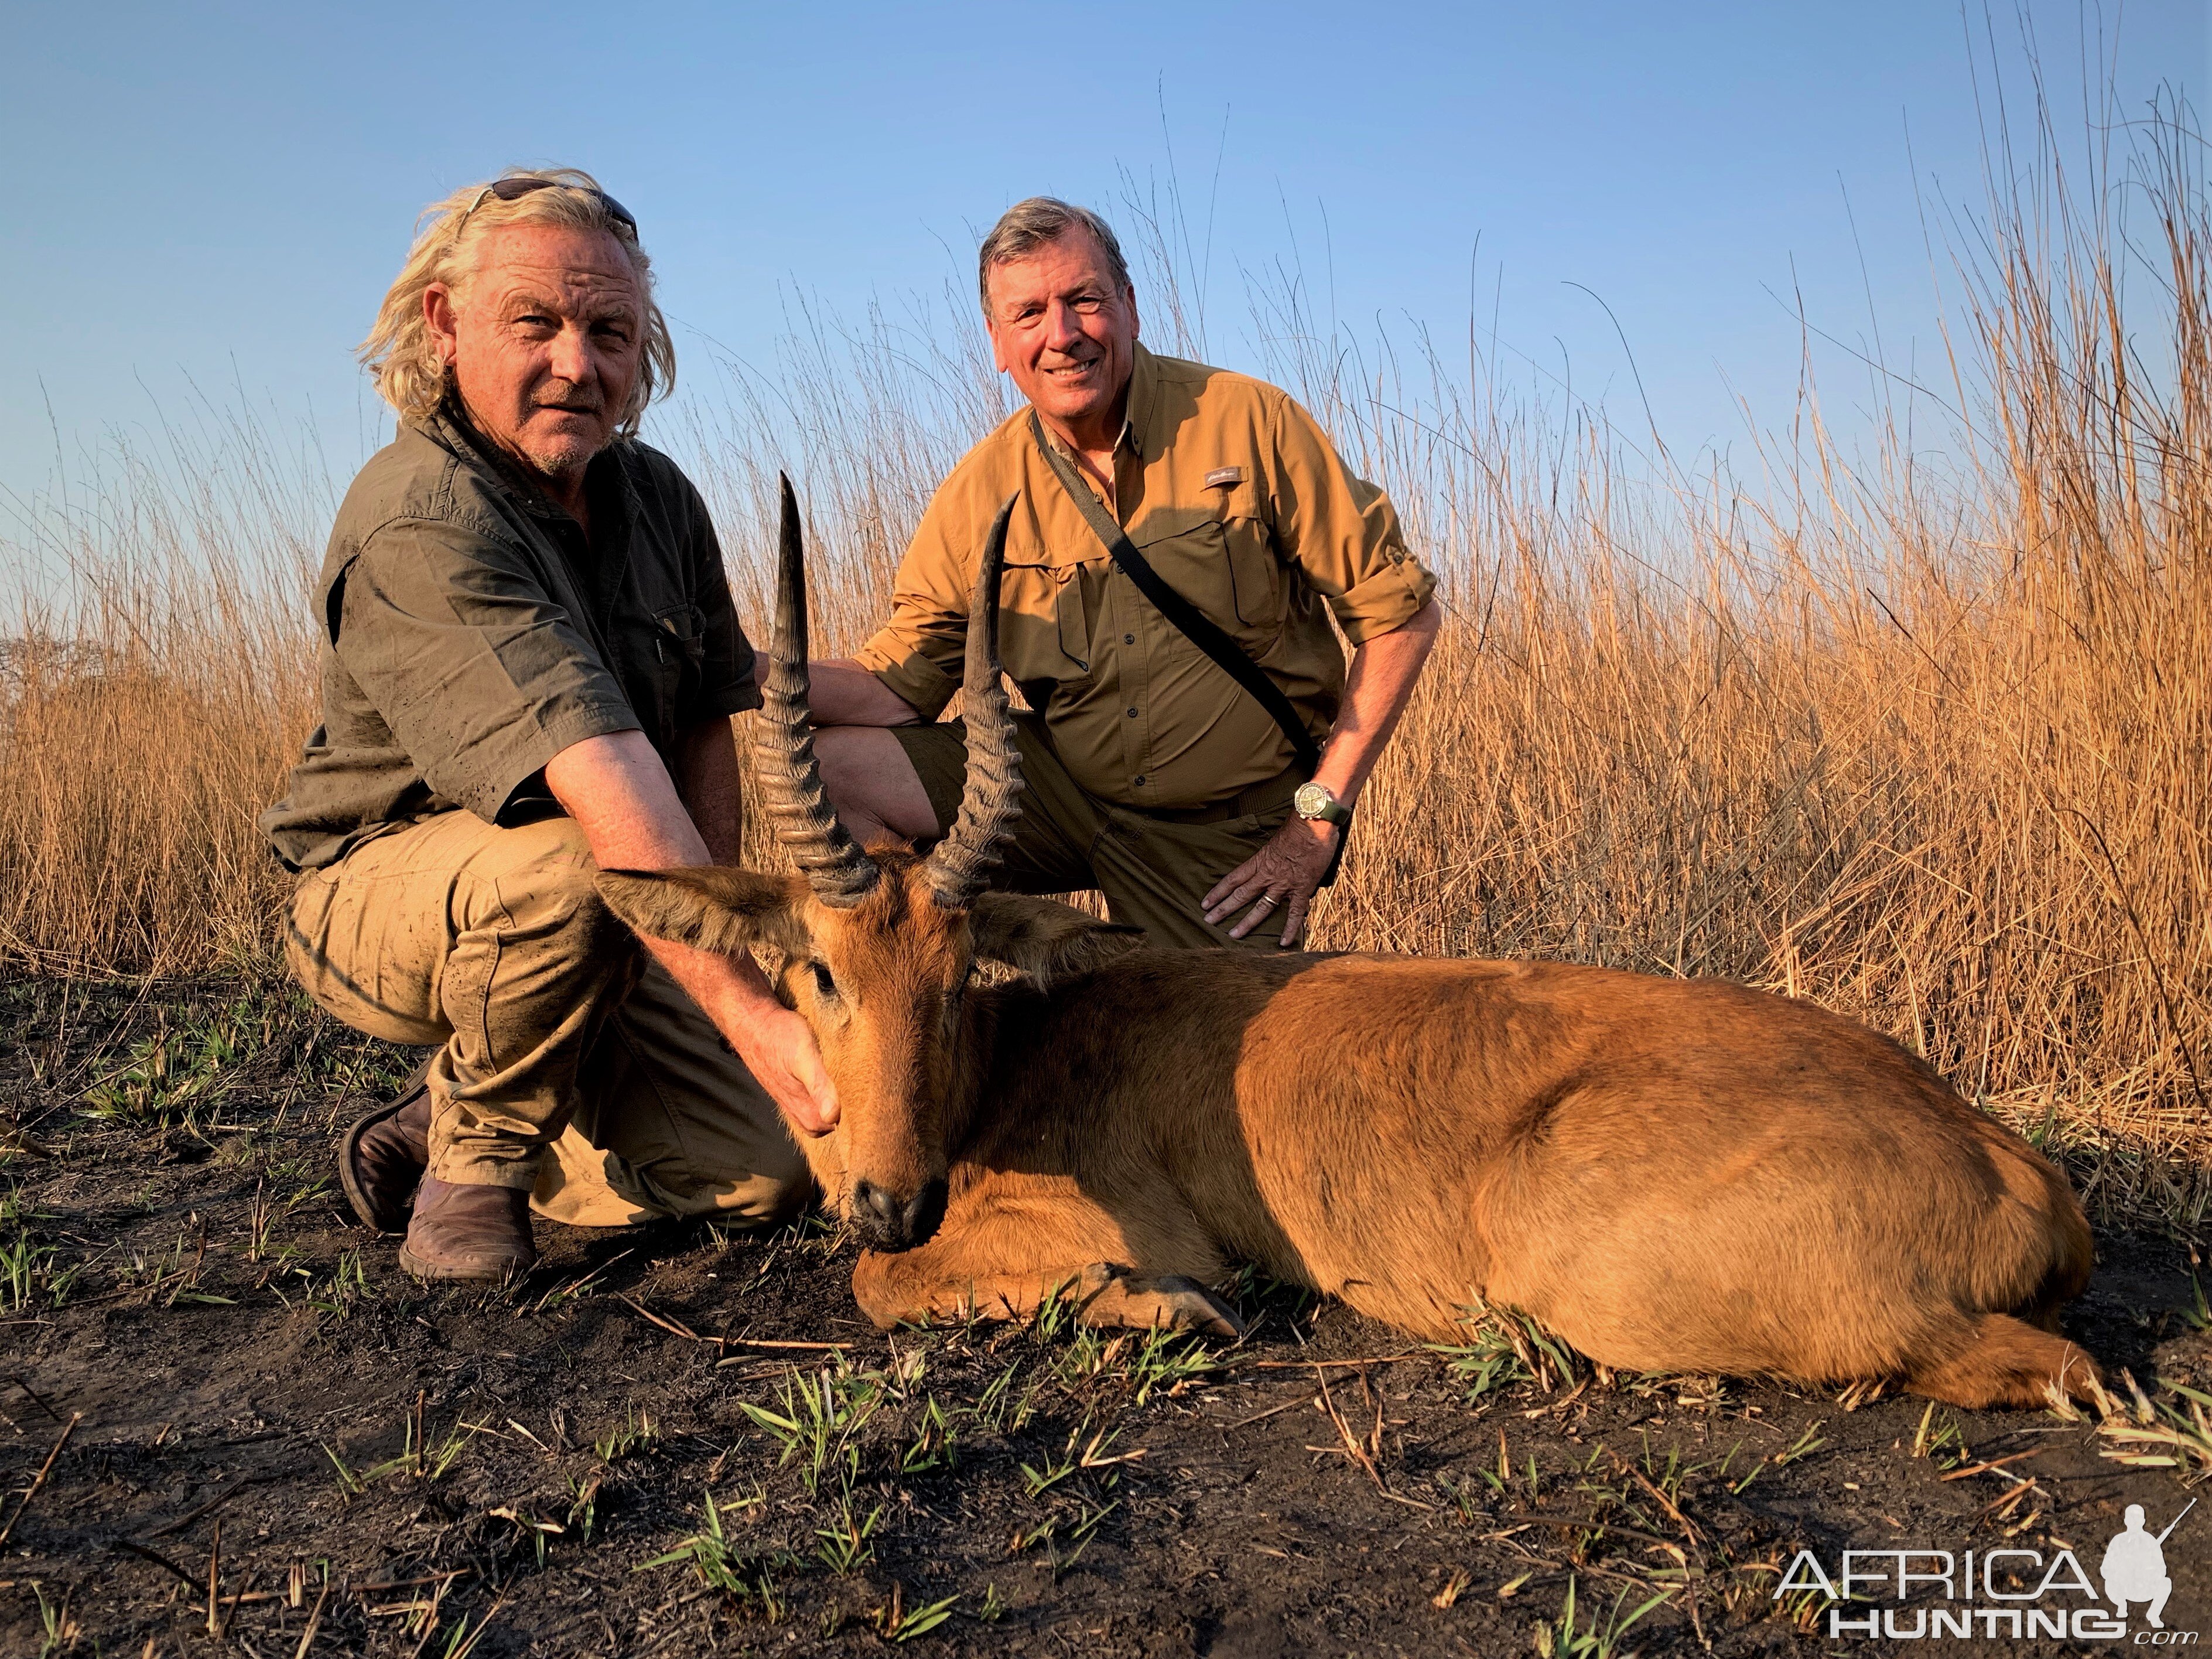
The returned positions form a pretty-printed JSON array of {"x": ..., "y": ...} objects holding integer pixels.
[{"x": 1234, "y": 494}]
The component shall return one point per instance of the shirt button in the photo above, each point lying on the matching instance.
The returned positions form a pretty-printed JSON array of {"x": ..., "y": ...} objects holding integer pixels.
[
  {"x": 1139, "y": 781},
  {"x": 1128, "y": 639},
  {"x": 1133, "y": 714}
]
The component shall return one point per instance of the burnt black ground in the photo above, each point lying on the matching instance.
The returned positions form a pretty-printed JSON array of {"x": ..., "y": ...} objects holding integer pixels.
[{"x": 218, "y": 1381}]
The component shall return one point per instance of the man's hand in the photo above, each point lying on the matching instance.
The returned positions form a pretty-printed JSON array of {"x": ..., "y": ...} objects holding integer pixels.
[
  {"x": 1286, "y": 872},
  {"x": 780, "y": 1052}
]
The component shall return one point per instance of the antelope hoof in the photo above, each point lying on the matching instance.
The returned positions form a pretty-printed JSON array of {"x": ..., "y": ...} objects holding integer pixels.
[
  {"x": 1112, "y": 1295},
  {"x": 1197, "y": 1308}
]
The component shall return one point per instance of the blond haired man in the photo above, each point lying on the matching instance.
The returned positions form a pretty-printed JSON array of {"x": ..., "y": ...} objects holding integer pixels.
[
  {"x": 529, "y": 664},
  {"x": 1182, "y": 537}
]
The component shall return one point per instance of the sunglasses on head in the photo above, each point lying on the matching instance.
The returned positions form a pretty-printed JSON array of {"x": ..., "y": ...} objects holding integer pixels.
[{"x": 513, "y": 190}]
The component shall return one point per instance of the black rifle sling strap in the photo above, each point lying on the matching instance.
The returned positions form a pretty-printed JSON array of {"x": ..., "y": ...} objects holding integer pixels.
[{"x": 1186, "y": 616}]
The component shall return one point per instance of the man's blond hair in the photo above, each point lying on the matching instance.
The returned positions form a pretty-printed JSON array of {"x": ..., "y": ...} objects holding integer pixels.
[{"x": 399, "y": 350}]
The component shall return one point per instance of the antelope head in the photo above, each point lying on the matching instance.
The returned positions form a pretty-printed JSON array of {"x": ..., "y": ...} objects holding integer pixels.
[{"x": 878, "y": 946}]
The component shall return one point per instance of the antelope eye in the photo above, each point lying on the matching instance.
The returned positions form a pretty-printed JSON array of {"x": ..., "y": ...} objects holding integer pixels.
[{"x": 824, "y": 986}]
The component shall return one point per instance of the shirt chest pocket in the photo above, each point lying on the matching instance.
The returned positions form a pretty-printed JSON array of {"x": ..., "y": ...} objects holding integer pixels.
[
  {"x": 677, "y": 644},
  {"x": 1045, "y": 633},
  {"x": 1225, "y": 565}
]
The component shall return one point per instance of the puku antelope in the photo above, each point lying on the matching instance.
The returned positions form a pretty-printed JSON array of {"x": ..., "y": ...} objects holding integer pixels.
[{"x": 1671, "y": 1175}]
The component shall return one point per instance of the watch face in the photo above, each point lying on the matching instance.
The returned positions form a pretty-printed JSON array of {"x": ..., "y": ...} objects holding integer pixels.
[{"x": 1312, "y": 800}]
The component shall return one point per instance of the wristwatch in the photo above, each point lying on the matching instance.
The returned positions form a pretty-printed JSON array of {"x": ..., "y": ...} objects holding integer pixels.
[{"x": 1313, "y": 801}]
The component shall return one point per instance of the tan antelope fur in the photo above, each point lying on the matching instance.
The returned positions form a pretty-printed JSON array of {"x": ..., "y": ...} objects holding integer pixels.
[{"x": 1673, "y": 1175}]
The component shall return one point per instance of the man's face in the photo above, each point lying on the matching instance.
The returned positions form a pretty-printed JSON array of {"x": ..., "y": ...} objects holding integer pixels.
[
  {"x": 544, "y": 337},
  {"x": 1065, "y": 333}
]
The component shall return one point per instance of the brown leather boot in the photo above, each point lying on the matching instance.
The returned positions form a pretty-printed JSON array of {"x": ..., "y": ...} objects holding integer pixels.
[
  {"x": 476, "y": 1233},
  {"x": 382, "y": 1158}
]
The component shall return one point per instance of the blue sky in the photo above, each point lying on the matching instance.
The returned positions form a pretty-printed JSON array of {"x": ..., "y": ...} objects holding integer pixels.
[{"x": 217, "y": 194}]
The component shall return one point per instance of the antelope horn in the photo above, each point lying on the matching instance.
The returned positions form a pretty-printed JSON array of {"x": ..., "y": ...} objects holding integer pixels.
[
  {"x": 806, "y": 826},
  {"x": 989, "y": 803}
]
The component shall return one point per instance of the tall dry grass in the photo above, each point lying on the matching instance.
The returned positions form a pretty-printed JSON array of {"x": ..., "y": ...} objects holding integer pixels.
[
  {"x": 1927, "y": 743},
  {"x": 156, "y": 679}
]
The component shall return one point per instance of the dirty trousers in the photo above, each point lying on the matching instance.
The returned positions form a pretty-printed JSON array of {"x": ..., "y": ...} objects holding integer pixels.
[{"x": 569, "y": 1062}]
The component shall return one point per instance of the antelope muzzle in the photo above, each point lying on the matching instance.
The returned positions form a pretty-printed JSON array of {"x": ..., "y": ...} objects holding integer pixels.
[{"x": 890, "y": 1221}]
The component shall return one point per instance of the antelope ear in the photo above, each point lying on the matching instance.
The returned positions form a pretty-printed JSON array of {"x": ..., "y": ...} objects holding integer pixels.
[
  {"x": 725, "y": 910},
  {"x": 1044, "y": 940}
]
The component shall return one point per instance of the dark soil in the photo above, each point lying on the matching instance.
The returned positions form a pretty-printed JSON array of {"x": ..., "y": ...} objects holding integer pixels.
[{"x": 234, "y": 1354}]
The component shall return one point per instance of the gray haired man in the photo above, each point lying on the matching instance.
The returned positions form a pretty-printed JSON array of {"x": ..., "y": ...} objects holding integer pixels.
[
  {"x": 529, "y": 664},
  {"x": 1181, "y": 538}
]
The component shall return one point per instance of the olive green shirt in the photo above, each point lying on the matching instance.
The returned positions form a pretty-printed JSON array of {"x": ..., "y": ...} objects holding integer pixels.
[
  {"x": 472, "y": 632},
  {"x": 1235, "y": 496}
]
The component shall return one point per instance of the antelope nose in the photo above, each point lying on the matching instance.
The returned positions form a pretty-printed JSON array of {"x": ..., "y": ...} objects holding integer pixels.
[
  {"x": 877, "y": 1206},
  {"x": 890, "y": 1222}
]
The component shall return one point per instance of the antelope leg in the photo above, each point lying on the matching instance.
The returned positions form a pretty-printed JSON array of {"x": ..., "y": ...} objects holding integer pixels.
[{"x": 1003, "y": 1261}]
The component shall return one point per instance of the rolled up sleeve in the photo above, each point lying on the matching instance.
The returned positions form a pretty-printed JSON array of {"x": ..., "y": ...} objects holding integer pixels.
[
  {"x": 1340, "y": 531},
  {"x": 481, "y": 677},
  {"x": 919, "y": 653}
]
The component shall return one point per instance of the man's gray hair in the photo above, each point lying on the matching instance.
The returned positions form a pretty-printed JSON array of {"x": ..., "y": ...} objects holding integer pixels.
[{"x": 1027, "y": 226}]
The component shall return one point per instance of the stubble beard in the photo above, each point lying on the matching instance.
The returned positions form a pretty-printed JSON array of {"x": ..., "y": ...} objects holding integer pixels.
[
  {"x": 557, "y": 459},
  {"x": 560, "y": 456},
  {"x": 556, "y": 450},
  {"x": 562, "y": 461}
]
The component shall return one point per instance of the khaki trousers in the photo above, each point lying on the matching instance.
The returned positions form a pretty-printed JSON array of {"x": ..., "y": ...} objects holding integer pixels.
[{"x": 568, "y": 1061}]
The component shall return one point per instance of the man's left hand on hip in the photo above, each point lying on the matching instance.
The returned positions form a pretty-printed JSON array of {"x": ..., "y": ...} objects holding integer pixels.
[{"x": 1284, "y": 874}]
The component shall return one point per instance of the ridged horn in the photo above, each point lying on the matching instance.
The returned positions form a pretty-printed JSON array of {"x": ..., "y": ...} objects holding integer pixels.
[
  {"x": 990, "y": 799},
  {"x": 806, "y": 825}
]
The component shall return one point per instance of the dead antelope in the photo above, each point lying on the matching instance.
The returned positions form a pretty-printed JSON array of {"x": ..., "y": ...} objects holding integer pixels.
[{"x": 1673, "y": 1175}]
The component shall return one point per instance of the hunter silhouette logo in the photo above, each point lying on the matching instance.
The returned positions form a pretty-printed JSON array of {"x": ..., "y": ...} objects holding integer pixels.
[
  {"x": 1991, "y": 1593},
  {"x": 2134, "y": 1568}
]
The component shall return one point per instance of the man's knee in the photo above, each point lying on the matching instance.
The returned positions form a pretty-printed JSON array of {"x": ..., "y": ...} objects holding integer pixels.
[{"x": 752, "y": 1200}]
